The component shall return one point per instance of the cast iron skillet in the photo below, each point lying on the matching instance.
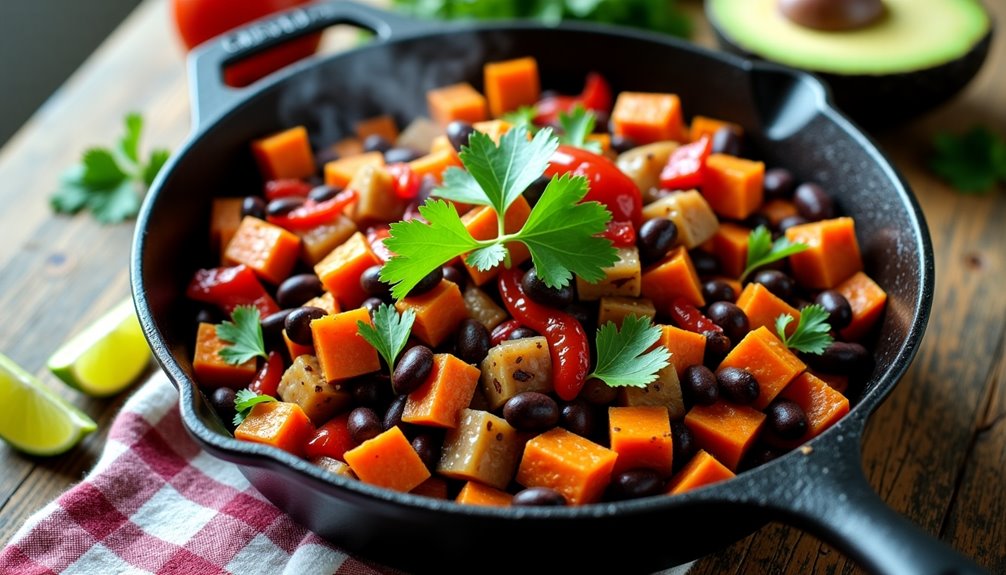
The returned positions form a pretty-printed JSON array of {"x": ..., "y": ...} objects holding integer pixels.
[{"x": 789, "y": 121}]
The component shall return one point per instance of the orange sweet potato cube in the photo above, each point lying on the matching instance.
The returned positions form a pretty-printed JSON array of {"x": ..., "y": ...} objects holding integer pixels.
[
  {"x": 338, "y": 173},
  {"x": 340, "y": 271},
  {"x": 832, "y": 253},
  {"x": 457, "y": 102},
  {"x": 446, "y": 392},
  {"x": 493, "y": 128},
  {"x": 771, "y": 363},
  {"x": 434, "y": 163},
  {"x": 277, "y": 423},
  {"x": 511, "y": 84},
  {"x": 383, "y": 126},
  {"x": 725, "y": 430},
  {"x": 687, "y": 348},
  {"x": 269, "y": 250},
  {"x": 295, "y": 349},
  {"x": 571, "y": 464},
  {"x": 867, "y": 301},
  {"x": 671, "y": 278},
  {"x": 481, "y": 224},
  {"x": 286, "y": 154},
  {"x": 705, "y": 126},
  {"x": 641, "y": 436},
  {"x": 341, "y": 350},
  {"x": 763, "y": 307},
  {"x": 648, "y": 117},
  {"x": 438, "y": 312},
  {"x": 475, "y": 493},
  {"x": 388, "y": 460},
  {"x": 777, "y": 210},
  {"x": 822, "y": 404},
  {"x": 211, "y": 369},
  {"x": 730, "y": 245},
  {"x": 733, "y": 186},
  {"x": 225, "y": 217},
  {"x": 703, "y": 469}
]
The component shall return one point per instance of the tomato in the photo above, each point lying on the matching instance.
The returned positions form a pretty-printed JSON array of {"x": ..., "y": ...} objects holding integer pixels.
[
  {"x": 405, "y": 182},
  {"x": 332, "y": 439},
  {"x": 199, "y": 20},
  {"x": 596, "y": 97},
  {"x": 286, "y": 188},
  {"x": 229, "y": 287},
  {"x": 608, "y": 185},
  {"x": 267, "y": 380},
  {"x": 685, "y": 166},
  {"x": 621, "y": 234}
]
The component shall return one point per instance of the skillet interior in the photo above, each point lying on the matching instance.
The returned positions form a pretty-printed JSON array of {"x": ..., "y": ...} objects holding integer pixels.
[{"x": 787, "y": 123}]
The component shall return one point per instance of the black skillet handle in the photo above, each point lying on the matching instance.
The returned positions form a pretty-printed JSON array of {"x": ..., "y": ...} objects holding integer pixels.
[
  {"x": 832, "y": 499},
  {"x": 208, "y": 93}
]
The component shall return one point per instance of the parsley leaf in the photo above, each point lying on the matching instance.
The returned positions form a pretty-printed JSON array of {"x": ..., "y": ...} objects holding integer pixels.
[
  {"x": 762, "y": 250},
  {"x": 812, "y": 334},
  {"x": 622, "y": 359},
  {"x": 109, "y": 182},
  {"x": 576, "y": 126},
  {"x": 244, "y": 401},
  {"x": 244, "y": 334},
  {"x": 389, "y": 332},
  {"x": 522, "y": 116},
  {"x": 971, "y": 162}
]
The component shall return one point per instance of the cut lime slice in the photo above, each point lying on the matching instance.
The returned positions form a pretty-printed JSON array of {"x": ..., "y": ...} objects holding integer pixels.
[
  {"x": 107, "y": 356},
  {"x": 34, "y": 419}
]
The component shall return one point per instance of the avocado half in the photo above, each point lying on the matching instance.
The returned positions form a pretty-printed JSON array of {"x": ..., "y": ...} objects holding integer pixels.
[{"x": 915, "y": 57}]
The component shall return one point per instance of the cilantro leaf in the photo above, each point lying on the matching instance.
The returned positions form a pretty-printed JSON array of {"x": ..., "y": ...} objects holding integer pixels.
[
  {"x": 460, "y": 186},
  {"x": 101, "y": 169},
  {"x": 522, "y": 116},
  {"x": 622, "y": 359},
  {"x": 576, "y": 126},
  {"x": 421, "y": 247},
  {"x": 129, "y": 144},
  {"x": 487, "y": 257},
  {"x": 116, "y": 204},
  {"x": 389, "y": 332},
  {"x": 559, "y": 233},
  {"x": 812, "y": 334},
  {"x": 244, "y": 401},
  {"x": 971, "y": 162},
  {"x": 762, "y": 250},
  {"x": 244, "y": 334},
  {"x": 157, "y": 160}
]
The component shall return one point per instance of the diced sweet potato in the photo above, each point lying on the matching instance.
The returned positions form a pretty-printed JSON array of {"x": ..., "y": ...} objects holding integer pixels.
[
  {"x": 277, "y": 423},
  {"x": 211, "y": 370},
  {"x": 376, "y": 200},
  {"x": 690, "y": 212},
  {"x": 269, "y": 250},
  {"x": 439, "y": 312},
  {"x": 572, "y": 465},
  {"x": 286, "y": 154},
  {"x": 730, "y": 246},
  {"x": 763, "y": 307},
  {"x": 777, "y": 210},
  {"x": 434, "y": 163},
  {"x": 705, "y": 126},
  {"x": 671, "y": 278},
  {"x": 664, "y": 392},
  {"x": 325, "y": 301},
  {"x": 616, "y": 308},
  {"x": 492, "y": 128},
  {"x": 303, "y": 383},
  {"x": 339, "y": 173},
  {"x": 388, "y": 460},
  {"x": 822, "y": 404},
  {"x": 482, "y": 224},
  {"x": 687, "y": 348},
  {"x": 515, "y": 366},
  {"x": 832, "y": 253},
  {"x": 319, "y": 241},
  {"x": 474, "y": 493},
  {"x": 383, "y": 126},
  {"x": 341, "y": 350},
  {"x": 511, "y": 84},
  {"x": 643, "y": 165},
  {"x": 340, "y": 271},
  {"x": 703, "y": 469},
  {"x": 346, "y": 147},
  {"x": 483, "y": 448},
  {"x": 867, "y": 301},
  {"x": 446, "y": 392},
  {"x": 725, "y": 430},
  {"x": 482, "y": 308},
  {"x": 456, "y": 102},
  {"x": 768, "y": 360},
  {"x": 733, "y": 186},
  {"x": 225, "y": 217},
  {"x": 622, "y": 278},
  {"x": 648, "y": 117},
  {"x": 295, "y": 349},
  {"x": 641, "y": 436}
]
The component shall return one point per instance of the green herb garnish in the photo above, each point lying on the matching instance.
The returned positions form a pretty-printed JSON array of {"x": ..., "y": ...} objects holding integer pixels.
[
  {"x": 244, "y": 401},
  {"x": 389, "y": 332},
  {"x": 972, "y": 162},
  {"x": 762, "y": 250},
  {"x": 110, "y": 182},
  {"x": 522, "y": 116},
  {"x": 622, "y": 356},
  {"x": 812, "y": 334},
  {"x": 244, "y": 334},
  {"x": 576, "y": 126}
]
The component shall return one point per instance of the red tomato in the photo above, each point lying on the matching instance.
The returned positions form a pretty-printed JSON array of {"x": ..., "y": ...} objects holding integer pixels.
[
  {"x": 331, "y": 440},
  {"x": 685, "y": 166},
  {"x": 267, "y": 380},
  {"x": 608, "y": 185},
  {"x": 199, "y": 20},
  {"x": 596, "y": 96},
  {"x": 621, "y": 234},
  {"x": 286, "y": 188},
  {"x": 229, "y": 287}
]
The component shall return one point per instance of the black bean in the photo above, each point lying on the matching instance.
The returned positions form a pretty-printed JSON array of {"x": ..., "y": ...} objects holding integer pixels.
[
  {"x": 813, "y": 203},
  {"x": 370, "y": 391},
  {"x": 778, "y": 183},
  {"x": 428, "y": 446},
  {"x": 790, "y": 221},
  {"x": 533, "y": 192},
  {"x": 838, "y": 308},
  {"x": 845, "y": 358},
  {"x": 705, "y": 263},
  {"x": 685, "y": 445},
  {"x": 209, "y": 315},
  {"x": 456, "y": 276},
  {"x": 698, "y": 383},
  {"x": 393, "y": 416},
  {"x": 776, "y": 282},
  {"x": 295, "y": 290},
  {"x": 536, "y": 289},
  {"x": 400, "y": 155},
  {"x": 429, "y": 281},
  {"x": 755, "y": 220},
  {"x": 621, "y": 144},
  {"x": 222, "y": 400},
  {"x": 717, "y": 347},
  {"x": 531, "y": 411},
  {"x": 363, "y": 424},
  {"x": 370, "y": 281},
  {"x": 726, "y": 140},
  {"x": 412, "y": 370},
  {"x": 578, "y": 417},
  {"x": 737, "y": 385},
  {"x": 473, "y": 342},
  {"x": 655, "y": 238},
  {"x": 253, "y": 206},
  {"x": 458, "y": 133},
  {"x": 786, "y": 419},
  {"x": 584, "y": 313},
  {"x": 731, "y": 318},
  {"x": 522, "y": 332},
  {"x": 371, "y": 304},
  {"x": 272, "y": 327},
  {"x": 538, "y": 497},
  {"x": 298, "y": 324},
  {"x": 634, "y": 483},
  {"x": 283, "y": 206},
  {"x": 718, "y": 290},
  {"x": 376, "y": 143},
  {"x": 596, "y": 392}
]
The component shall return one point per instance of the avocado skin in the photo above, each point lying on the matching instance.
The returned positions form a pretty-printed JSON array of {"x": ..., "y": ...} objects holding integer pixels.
[{"x": 880, "y": 102}]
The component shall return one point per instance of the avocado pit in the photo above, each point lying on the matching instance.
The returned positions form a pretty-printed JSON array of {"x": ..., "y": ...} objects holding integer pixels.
[{"x": 832, "y": 15}]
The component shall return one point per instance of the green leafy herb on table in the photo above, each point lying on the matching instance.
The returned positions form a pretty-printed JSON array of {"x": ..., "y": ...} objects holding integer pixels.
[
  {"x": 576, "y": 126},
  {"x": 389, "y": 332},
  {"x": 622, "y": 356},
  {"x": 244, "y": 401},
  {"x": 971, "y": 162},
  {"x": 110, "y": 182},
  {"x": 559, "y": 232},
  {"x": 244, "y": 334},
  {"x": 763, "y": 251},
  {"x": 812, "y": 334}
]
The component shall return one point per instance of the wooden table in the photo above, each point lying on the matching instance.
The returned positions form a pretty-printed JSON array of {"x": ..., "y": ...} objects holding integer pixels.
[{"x": 935, "y": 451}]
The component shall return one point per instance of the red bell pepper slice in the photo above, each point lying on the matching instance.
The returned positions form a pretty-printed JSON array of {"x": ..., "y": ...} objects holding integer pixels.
[
  {"x": 621, "y": 234},
  {"x": 608, "y": 184},
  {"x": 286, "y": 188},
  {"x": 313, "y": 214},
  {"x": 404, "y": 181},
  {"x": 596, "y": 97},
  {"x": 332, "y": 439},
  {"x": 685, "y": 166},
  {"x": 688, "y": 317},
  {"x": 502, "y": 332},
  {"x": 267, "y": 379},
  {"x": 375, "y": 237},
  {"x": 230, "y": 287}
]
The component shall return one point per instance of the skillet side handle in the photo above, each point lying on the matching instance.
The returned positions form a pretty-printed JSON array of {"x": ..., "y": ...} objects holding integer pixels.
[
  {"x": 208, "y": 93},
  {"x": 837, "y": 504}
]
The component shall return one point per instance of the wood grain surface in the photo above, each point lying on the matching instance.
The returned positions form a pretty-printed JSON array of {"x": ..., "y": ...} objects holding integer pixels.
[{"x": 935, "y": 451}]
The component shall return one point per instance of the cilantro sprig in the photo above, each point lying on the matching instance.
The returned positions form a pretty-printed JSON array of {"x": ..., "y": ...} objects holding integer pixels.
[
  {"x": 110, "y": 182},
  {"x": 972, "y": 162},
  {"x": 576, "y": 126},
  {"x": 522, "y": 116},
  {"x": 762, "y": 250},
  {"x": 622, "y": 356},
  {"x": 812, "y": 334},
  {"x": 559, "y": 232},
  {"x": 244, "y": 401},
  {"x": 244, "y": 334},
  {"x": 389, "y": 332}
]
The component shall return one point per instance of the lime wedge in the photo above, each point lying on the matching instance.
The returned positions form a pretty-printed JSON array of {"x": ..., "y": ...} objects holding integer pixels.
[
  {"x": 107, "y": 356},
  {"x": 34, "y": 419}
]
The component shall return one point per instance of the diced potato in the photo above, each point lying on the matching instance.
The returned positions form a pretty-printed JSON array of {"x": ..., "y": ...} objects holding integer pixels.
[
  {"x": 375, "y": 200},
  {"x": 690, "y": 212},
  {"x": 304, "y": 384},
  {"x": 623, "y": 278},
  {"x": 643, "y": 164},
  {"x": 665, "y": 391},
  {"x": 319, "y": 241},
  {"x": 482, "y": 308},
  {"x": 482, "y": 448},
  {"x": 419, "y": 135},
  {"x": 616, "y": 308},
  {"x": 334, "y": 466},
  {"x": 515, "y": 366},
  {"x": 325, "y": 301}
]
